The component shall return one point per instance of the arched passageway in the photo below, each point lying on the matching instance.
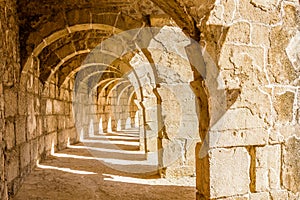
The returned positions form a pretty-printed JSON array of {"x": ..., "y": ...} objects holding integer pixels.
[
  {"x": 113, "y": 84},
  {"x": 150, "y": 89}
]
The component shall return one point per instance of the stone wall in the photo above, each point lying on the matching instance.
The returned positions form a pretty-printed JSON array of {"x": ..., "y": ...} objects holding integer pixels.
[
  {"x": 246, "y": 109},
  {"x": 252, "y": 147},
  {"x": 12, "y": 167},
  {"x": 116, "y": 102}
]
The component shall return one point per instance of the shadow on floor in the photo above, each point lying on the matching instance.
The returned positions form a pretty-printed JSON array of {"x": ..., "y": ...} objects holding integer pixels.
[{"x": 95, "y": 171}]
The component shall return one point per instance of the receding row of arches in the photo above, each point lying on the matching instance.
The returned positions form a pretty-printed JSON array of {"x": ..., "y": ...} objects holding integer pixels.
[{"x": 92, "y": 70}]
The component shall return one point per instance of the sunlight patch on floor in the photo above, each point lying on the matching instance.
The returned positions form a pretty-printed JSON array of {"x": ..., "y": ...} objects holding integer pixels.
[
  {"x": 111, "y": 142},
  {"x": 106, "y": 150},
  {"x": 189, "y": 181},
  {"x": 65, "y": 169}
]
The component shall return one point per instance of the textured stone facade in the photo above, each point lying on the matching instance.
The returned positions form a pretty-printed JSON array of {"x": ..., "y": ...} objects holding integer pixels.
[{"x": 230, "y": 115}]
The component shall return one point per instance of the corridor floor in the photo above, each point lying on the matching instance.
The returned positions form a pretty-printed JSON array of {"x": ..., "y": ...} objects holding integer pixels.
[{"x": 107, "y": 167}]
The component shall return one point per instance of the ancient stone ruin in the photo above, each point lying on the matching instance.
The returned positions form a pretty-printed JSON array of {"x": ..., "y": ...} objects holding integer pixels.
[{"x": 206, "y": 88}]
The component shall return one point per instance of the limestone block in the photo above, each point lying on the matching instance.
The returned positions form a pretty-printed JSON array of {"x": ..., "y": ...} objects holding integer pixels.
[
  {"x": 22, "y": 102},
  {"x": 52, "y": 90},
  {"x": 288, "y": 130},
  {"x": 73, "y": 135},
  {"x": 257, "y": 99},
  {"x": 62, "y": 138},
  {"x": 151, "y": 140},
  {"x": 291, "y": 163},
  {"x": 243, "y": 59},
  {"x": 188, "y": 128},
  {"x": 179, "y": 171},
  {"x": 51, "y": 122},
  {"x": 11, "y": 102},
  {"x": 291, "y": 15},
  {"x": 230, "y": 8},
  {"x": 34, "y": 151},
  {"x": 61, "y": 123},
  {"x": 58, "y": 107},
  {"x": 12, "y": 166},
  {"x": 259, "y": 11},
  {"x": 171, "y": 39},
  {"x": 37, "y": 85},
  {"x": 216, "y": 16},
  {"x": 50, "y": 141},
  {"x": 283, "y": 106},
  {"x": 20, "y": 130},
  {"x": 237, "y": 197},
  {"x": 151, "y": 114},
  {"x": 29, "y": 83},
  {"x": 260, "y": 196},
  {"x": 31, "y": 121},
  {"x": 265, "y": 4},
  {"x": 173, "y": 152},
  {"x": 229, "y": 172},
  {"x": 233, "y": 138},
  {"x": 49, "y": 107},
  {"x": 293, "y": 51},
  {"x": 279, "y": 194},
  {"x": 260, "y": 35},
  {"x": 268, "y": 168},
  {"x": 237, "y": 119},
  {"x": 9, "y": 135},
  {"x": 190, "y": 147},
  {"x": 280, "y": 68},
  {"x": 239, "y": 32},
  {"x": 41, "y": 146},
  {"x": 46, "y": 91},
  {"x": 293, "y": 196},
  {"x": 39, "y": 129},
  {"x": 170, "y": 55},
  {"x": 24, "y": 155}
]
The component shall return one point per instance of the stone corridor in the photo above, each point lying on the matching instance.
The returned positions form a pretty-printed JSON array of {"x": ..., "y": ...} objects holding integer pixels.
[
  {"x": 150, "y": 99},
  {"x": 107, "y": 166}
]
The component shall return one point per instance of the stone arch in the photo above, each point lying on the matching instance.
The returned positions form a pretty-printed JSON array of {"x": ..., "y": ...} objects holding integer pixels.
[{"x": 145, "y": 51}]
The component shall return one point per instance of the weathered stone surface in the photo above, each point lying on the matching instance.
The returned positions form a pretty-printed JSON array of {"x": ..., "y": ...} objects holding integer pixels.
[
  {"x": 9, "y": 135},
  {"x": 267, "y": 168},
  {"x": 291, "y": 163},
  {"x": 260, "y": 35},
  {"x": 281, "y": 69},
  {"x": 241, "y": 57},
  {"x": 51, "y": 122},
  {"x": 12, "y": 166},
  {"x": 239, "y": 32},
  {"x": 238, "y": 197},
  {"x": 265, "y": 5},
  {"x": 20, "y": 130},
  {"x": 254, "y": 52},
  {"x": 31, "y": 121},
  {"x": 232, "y": 166},
  {"x": 58, "y": 107},
  {"x": 48, "y": 107},
  {"x": 11, "y": 102},
  {"x": 245, "y": 121},
  {"x": 259, "y": 11},
  {"x": 238, "y": 138},
  {"x": 283, "y": 105},
  {"x": 262, "y": 196},
  {"x": 293, "y": 51},
  {"x": 280, "y": 194},
  {"x": 24, "y": 155}
]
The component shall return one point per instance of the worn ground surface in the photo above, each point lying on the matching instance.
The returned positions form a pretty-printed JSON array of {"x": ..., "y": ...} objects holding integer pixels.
[{"x": 103, "y": 168}]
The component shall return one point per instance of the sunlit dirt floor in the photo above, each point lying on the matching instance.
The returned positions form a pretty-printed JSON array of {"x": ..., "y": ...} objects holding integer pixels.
[{"x": 106, "y": 167}]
